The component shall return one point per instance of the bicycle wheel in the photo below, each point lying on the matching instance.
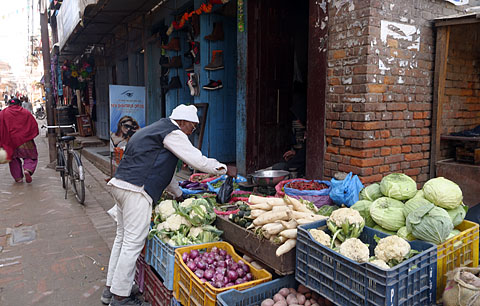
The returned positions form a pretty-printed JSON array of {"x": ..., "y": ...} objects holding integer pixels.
[
  {"x": 77, "y": 177},
  {"x": 61, "y": 165}
]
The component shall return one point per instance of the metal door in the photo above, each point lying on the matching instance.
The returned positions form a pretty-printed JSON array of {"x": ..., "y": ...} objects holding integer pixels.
[{"x": 102, "y": 103}]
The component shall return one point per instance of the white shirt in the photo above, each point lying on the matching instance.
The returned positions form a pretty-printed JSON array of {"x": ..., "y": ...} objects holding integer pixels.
[{"x": 178, "y": 143}]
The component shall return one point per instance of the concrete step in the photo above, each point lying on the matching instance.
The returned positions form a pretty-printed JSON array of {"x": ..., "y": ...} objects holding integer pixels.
[{"x": 91, "y": 141}]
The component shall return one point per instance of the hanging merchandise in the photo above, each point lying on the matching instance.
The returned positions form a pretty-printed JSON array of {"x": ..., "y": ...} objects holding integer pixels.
[
  {"x": 174, "y": 83},
  {"x": 175, "y": 62},
  {"x": 217, "y": 33},
  {"x": 240, "y": 16},
  {"x": 195, "y": 21},
  {"x": 173, "y": 45},
  {"x": 193, "y": 84},
  {"x": 213, "y": 85},
  {"x": 217, "y": 61}
]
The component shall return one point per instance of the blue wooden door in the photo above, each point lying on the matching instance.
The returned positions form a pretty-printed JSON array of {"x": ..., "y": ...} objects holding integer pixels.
[{"x": 102, "y": 80}]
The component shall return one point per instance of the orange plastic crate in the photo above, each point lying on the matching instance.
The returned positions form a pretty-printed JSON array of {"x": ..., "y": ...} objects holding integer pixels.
[
  {"x": 190, "y": 291},
  {"x": 459, "y": 251}
]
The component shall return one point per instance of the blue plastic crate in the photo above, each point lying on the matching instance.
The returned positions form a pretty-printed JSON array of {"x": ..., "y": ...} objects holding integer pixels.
[
  {"x": 174, "y": 302},
  {"x": 346, "y": 282},
  {"x": 255, "y": 295},
  {"x": 238, "y": 179}
]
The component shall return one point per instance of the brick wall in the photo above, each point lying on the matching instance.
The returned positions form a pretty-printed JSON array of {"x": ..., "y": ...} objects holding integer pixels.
[
  {"x": 380, "y": 86},
  {"x": 462, "y": 87}
]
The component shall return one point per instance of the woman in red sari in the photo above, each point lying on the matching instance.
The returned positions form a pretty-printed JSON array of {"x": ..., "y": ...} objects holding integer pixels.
[{"x": 18, "y": 128}]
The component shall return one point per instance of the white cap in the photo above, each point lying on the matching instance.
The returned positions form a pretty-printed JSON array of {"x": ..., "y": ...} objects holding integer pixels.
[{"x": 185, "y": 112}]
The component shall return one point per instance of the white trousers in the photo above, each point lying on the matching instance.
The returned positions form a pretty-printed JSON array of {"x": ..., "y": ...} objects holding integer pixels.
[{"x": 134, "y": 213}]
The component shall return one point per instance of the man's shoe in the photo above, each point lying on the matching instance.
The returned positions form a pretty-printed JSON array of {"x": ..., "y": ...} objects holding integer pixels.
[
  {"x": 129, "y": 301},
  {"x": 107, "y": 295},
  {"x": 217, "y": 33},
  {"x": 213, "y": 85},
  {"x": 217, "y": 61}
]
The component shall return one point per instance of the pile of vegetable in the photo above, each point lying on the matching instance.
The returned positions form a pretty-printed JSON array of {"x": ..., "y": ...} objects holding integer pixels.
[
  {"x": 217, "y": 268},
  {"x": 395, "y": 206},
  {"x": 277, "y": 219},
  {"x": 242, "y": 218},
  {"x": 307, "y": 185},
  {"x": 220, "y": 183},
  {"x": 346, "y": 226},
  {"x": 186, "y": 223},
  {"x": 193, "y": 185},
  {"x": 200, "y": 177},
  {"x": 290, "y": 296}
]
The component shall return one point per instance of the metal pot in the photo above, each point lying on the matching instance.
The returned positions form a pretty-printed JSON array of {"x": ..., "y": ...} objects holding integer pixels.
[{"x": 269, "y": 177}]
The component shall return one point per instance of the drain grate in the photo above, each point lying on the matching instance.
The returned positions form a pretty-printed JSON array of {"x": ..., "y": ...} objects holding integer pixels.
[{"x": 22, "y": 234}]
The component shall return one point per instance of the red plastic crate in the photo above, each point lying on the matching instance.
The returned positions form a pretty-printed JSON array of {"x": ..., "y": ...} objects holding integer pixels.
[
  {"x": 154, "y": 290},
  {"x": 140, "y": 272}
]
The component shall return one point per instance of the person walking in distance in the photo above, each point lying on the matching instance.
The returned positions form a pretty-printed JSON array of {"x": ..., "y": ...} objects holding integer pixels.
[
  {"x": 18, "y": 128},
  {"x": 145, "y": 171}
]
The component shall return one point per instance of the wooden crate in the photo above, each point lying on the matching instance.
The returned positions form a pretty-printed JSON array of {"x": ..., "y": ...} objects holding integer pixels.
[
  {"x": 84, "y": 125},
  {"x": 467, "y": 155}
]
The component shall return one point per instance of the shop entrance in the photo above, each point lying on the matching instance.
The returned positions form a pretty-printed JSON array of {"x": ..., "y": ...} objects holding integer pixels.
[{"x": 277, "y": 78}]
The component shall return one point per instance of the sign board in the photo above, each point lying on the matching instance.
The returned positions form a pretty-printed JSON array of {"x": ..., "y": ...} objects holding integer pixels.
[{"x": 127, "y": 113}]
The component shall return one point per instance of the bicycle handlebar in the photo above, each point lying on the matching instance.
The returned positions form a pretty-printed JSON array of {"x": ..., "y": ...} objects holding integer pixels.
[{"x": 58, "y": 127}]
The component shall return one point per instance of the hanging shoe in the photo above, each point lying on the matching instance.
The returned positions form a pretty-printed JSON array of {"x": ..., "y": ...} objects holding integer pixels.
[
  {"x": 213, "y": 85},
  {"x": 195, "y": 51},
  {"x": 175, "y": 62},
  {"x": 174, "y": 83},
  {"x": 195, "y": 25},
  {"x": 217, "y": 33},
  {"x": 190, "y": 68},
  {"x": 173, "y": 45},
  {"x": 190, "y": 83},
  {"x": 217, "y": 61},
  {"x": 228, "y": 10},
  {"x": 195, "y": 84}
]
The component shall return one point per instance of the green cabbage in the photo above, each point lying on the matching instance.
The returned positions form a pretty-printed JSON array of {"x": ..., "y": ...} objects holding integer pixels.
[
  {"x": 458, "y": 214},
  {"x": 443, "y": 193},
  {"x": 430, "y": 223},
  {"x": 381, "y": 229},
  {"x": 363, "y": 207},
  {"x": 388, "y": 213},
  {"x": 398, "y": 186},
  {"x": 413, "y": 204},
  {"x": 419, "y": 194},
  {"x": 371, "y": 192},
  {"x": 453, "y": 234},
  {"x": 405, "y": 234}
]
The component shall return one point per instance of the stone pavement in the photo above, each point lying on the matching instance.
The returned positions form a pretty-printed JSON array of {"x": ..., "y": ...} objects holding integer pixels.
[{"x": 66, "y": 262}]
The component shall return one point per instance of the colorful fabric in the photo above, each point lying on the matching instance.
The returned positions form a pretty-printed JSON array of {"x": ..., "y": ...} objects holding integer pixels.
[
  {"x": 27, "y": 152},
  {"x": 17, "y": 126}
]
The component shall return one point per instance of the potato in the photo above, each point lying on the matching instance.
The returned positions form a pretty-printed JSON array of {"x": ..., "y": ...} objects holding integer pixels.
[
  {"x": 284, "y": 292},
  {"x": 292, "y": 290},
  {"x": 302, "y": 289},
  {"x": 292, "y": 299},
  {"x": 308, "y": 295},
  {"x": 307, "y": 303},
  {"x": 267, "y": 302},
  {"x": 278, "y": 297},
  {"x": 281, "y": 303},
  {"x": 300, "y": 298}
]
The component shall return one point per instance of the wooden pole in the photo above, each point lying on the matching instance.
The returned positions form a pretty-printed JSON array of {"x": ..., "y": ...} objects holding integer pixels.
[{"x": 441, "y": 56}]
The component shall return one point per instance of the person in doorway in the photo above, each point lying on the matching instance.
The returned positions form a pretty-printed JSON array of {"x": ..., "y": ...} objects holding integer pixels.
[
  {"x": 146, "y": 170},
  {"x": 18, "y": 128},
  {"x": 294, "y": 159}
]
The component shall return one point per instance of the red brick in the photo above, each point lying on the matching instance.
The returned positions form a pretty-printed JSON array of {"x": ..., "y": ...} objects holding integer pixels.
[
  {"x": 385, "y": 134},
  {"x": 394, "y": 159},
  {"x": 371, "y": 178},
  {"x": 377, "y": 88},
  {"x": 406, "y": 149},
  {"x": 396, "y": 106},
  {"x": 334, "y": 81},
  {"x": 414, "y": 156},
  {"x": 357, "y": 153},
  {"x": 332, "y": 132},
  {"x": 396, "y": 150},
  {"x": 375, "y": 125},
  {"x": 369, "y": 162},
  {"x": 393, "y": 142},
  {"x": 386, "y": 151},
  {"x": 412, "y": 172},
  {"x": 339, "y": 54},
  {"x": 384, "y": 168},
  {"x": 332, "y": 149},
  {"x": 412, "y": 140}
]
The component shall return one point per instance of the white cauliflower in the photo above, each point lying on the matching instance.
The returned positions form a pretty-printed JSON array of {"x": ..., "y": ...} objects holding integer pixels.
[
  {"x": 355, "y": 249},
  {"x": 193, "y": 213},
  {"x": 392, "y": 248},
  {"x": 165, "y": 209},
  {"x": 195, "y": 231},
  {"x": 321, "y": 237},
  {"x": 187, "y": 202},
  {"x": 380, "y": 263},
  {"x": 174, "y": 222},
  {"x": 341, "y": 215}
]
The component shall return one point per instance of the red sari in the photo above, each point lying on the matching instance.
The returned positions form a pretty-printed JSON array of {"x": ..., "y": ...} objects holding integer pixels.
[{"x": 17, "y": 126}]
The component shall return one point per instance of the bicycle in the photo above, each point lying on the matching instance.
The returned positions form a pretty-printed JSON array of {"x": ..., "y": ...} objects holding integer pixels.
[
  {"x": 40, "y": 113},
  {"x": 71, "y": 166}
]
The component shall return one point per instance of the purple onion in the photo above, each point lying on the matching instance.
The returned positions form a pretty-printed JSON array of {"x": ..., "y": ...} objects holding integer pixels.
[
  {"x": 249, "y": 277},
  {"x": 219, "y": 277},
  {"x": 199, "y": 273},
  {"x": 219, "y": 284},
  {"x": 185, "y": 257},
  {"x": 219, "y": 270},
  {"x": 208, "y": 274},
  {"x": 197, "y": 259},
  {"x": 234, "y": 266},
  {"x": 203, "y": 280},
  {"x": 239, "y": 281},
  {"x": 230, "y": 285},
  {"x": 221, "y": 264},
  {"x": 228, "y": 256},
  {"x": 201, "y": 265},
  {"x": 194, "y": 254},
  {"x": 225, "y": 280},
  {"x": 222, "y": 252},
  {"x": 240, "y": 272},
  {"x": 245, "y": 268},
  {"x": 210, "y": 260},
  {"x": 192, "y": 266},
  {"x": 229, "y": 262},
  {"x": 241, "y": 262},
  {"x": 232, "y": 275},
  {"x": 218, "y": 258},
  {"x": 214, "y": 250}
]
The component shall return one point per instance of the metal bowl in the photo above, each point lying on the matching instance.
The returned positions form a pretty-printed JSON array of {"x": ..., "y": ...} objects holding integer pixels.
[{"x": 269, "y": 177}]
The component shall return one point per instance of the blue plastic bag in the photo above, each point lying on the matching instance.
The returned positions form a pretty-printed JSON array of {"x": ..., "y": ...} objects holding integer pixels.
[
  {"x": 238, "y": 179},
  {"x": 346, "y": 191}
]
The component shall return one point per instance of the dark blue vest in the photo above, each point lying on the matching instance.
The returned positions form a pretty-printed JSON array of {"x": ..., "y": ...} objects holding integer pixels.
[{"x": 146, "y": 162}]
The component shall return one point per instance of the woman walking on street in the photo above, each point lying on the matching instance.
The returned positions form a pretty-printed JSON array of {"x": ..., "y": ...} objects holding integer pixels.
[{"x": 18, "y": 128}]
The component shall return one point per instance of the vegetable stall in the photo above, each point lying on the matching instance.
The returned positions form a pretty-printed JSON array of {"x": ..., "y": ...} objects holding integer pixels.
[{"x": 392, "y": 245}]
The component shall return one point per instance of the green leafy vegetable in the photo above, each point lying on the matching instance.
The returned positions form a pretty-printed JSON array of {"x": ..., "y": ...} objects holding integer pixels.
[
  {"x": 443, "y": 193},
  {"x": 363, "y": 207},
  {"x": 413, "y": 204},
  {"x": 458, "y": 214},
  {"x": 430, "y": 223},
  {"x": 388, "y": 213},
  {"x": 398, "y": 186},
  {"x": 371, "y": 192}
]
